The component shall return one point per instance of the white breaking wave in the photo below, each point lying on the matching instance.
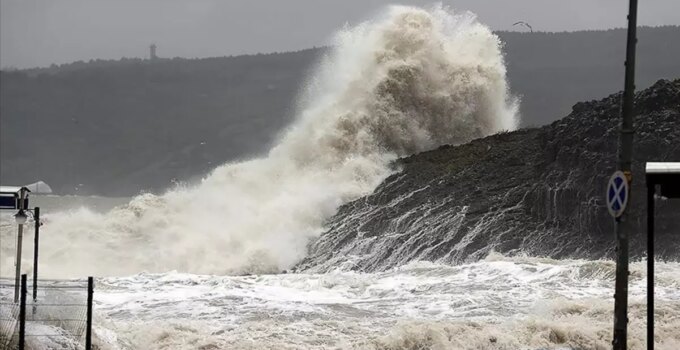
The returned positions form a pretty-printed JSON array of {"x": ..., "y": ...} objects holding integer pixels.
[
  {"x": 500, "y": 303},
  {"x": 408, "y": 81}
]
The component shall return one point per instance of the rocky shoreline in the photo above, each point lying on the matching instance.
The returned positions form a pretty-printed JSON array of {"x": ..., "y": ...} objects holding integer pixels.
[{"x": 537, "y": 191}]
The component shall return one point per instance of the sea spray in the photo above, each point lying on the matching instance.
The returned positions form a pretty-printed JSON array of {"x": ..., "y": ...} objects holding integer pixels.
[
  {"x": 499, "y": 303},
  {"x": 408, "y": 81}
]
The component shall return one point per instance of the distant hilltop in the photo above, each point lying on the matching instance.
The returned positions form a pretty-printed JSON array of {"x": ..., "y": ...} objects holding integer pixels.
[
  {"x": 120, "y": 127},
  {"x": 124, "y": 61}
]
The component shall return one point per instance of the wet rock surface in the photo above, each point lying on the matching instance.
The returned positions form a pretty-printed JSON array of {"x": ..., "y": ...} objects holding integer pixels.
[{"x": 536, "y": 191}]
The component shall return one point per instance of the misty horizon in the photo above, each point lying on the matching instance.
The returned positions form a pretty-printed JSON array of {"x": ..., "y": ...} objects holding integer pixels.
[
  {"x": 146, "y": 55},
  {"x": 73, "y": 30}
]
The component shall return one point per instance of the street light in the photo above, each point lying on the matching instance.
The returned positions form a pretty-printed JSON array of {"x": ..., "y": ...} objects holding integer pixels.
[
  {"x": 20, "y": 217},
  {"x": 16, "y": 197}
]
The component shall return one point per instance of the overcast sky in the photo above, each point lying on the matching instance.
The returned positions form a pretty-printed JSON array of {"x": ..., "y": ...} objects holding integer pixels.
[{"x": 40, "y": 32}]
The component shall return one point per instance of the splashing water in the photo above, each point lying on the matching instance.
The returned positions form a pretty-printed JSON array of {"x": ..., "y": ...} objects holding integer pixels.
[
  {"x": 500, "y": 303},
  {"x": 408, "y": 81},
  {"x": 405, "y": 82}
]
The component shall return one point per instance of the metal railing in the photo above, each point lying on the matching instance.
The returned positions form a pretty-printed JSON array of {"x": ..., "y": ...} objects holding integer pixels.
[{"x": 60, "y": 316}]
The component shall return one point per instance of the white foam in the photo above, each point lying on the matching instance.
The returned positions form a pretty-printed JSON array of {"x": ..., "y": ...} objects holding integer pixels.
[
  {"x": 407, "y": 81},
  {"x": 522, "y": 303}
]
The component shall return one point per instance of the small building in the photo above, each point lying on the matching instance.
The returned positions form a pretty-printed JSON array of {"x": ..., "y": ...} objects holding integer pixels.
[
  {"x": 152, "y": 52},
  {"x": 10, "y": 197},
  {"x": 666, "y": 176}
]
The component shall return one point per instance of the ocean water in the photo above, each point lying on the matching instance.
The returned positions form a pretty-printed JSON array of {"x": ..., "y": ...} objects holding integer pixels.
[
  {"x": 203, "y": 267},
  {"x": 497, "y": 303}
]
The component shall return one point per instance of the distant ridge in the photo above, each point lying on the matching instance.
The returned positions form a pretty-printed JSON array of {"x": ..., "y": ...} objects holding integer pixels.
[
  {"x": 120, "y": 127},
  {"x": 103, "y": 63},
  {"x": 97, "y": 62}
]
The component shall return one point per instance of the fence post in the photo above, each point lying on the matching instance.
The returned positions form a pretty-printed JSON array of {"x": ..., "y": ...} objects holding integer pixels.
[
  {"x": 88, "y": 330},
  {"x": 651, "y": 190},
  {"x": 36, "y": 244},
  {"x": 22, "y": 314}
]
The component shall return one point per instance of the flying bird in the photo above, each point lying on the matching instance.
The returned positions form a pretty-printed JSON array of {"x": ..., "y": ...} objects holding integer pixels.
[{"x": 524, "y": 24}]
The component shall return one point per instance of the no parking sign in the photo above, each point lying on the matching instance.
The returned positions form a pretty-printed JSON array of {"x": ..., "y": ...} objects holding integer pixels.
[{"x": 618, "y": 191}]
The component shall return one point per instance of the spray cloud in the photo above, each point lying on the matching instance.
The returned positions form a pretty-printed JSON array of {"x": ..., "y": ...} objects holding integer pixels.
[{"x": 408, "y": 81}]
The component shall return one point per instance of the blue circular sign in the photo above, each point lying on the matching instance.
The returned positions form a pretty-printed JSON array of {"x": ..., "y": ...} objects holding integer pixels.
[{"x": 617, "y": 194}]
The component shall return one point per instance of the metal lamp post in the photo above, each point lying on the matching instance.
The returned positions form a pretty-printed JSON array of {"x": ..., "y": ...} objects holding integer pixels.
[
  {"x": 20, "y": 218},
  {"x": 16, "y": 198}
]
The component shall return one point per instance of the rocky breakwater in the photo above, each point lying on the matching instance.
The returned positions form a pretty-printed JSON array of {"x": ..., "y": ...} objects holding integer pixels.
[{"x": 536, "y": 191}]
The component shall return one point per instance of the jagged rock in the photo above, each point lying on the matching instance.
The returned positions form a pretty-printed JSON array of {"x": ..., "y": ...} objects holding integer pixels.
[{"x": 533, "y": 191}]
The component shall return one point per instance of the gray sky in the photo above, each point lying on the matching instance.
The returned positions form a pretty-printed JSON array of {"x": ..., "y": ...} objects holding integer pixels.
[{"x": 40, "y": 32}]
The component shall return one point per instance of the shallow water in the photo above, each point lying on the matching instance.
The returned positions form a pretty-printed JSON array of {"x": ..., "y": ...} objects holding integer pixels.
[{"x": 497, "y": 303}]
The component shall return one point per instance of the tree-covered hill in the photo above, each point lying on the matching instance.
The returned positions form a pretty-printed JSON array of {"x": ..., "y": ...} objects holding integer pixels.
[
  {"x": 116, "y": 128},
  {"x": 553, "y": 71},
  {"x": 120, "y": 127}
]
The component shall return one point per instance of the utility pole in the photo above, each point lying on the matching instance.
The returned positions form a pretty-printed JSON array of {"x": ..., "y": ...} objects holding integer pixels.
[{"x": 623, "y": 226}]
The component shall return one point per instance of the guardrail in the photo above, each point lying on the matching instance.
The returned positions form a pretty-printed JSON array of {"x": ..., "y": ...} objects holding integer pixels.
[{"x": 60, "y": 316}]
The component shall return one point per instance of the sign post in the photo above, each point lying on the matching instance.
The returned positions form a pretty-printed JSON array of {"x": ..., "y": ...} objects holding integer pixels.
[
  {"x": 618, "y": 191},
  {"x": 625, "y": 158}
]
